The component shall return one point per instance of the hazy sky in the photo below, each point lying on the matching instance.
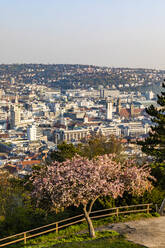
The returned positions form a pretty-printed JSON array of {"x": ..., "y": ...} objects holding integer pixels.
[{"x": 126, "y": 33}]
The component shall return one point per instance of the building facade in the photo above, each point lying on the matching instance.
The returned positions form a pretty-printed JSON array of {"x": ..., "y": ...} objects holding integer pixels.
[{"x": 32, "y": 133}]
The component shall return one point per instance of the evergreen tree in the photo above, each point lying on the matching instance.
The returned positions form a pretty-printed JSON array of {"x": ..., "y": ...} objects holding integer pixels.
[
  {"x": 65, "y": 151},
  {"x": 154, "y": 144}
]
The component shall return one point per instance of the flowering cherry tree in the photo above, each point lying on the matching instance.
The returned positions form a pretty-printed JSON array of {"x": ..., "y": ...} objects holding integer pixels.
[{"x": 81, "y": 181}]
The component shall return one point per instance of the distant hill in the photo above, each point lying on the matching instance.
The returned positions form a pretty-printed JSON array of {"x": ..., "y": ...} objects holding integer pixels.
[{"x": 68, "y": 76}]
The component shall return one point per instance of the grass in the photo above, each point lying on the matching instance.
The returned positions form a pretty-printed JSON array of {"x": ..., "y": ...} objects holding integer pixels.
[
  {"x": 101, "y": 243},
  {"x": 108, "y": 239},
  {"x": 77, "y": 236}
]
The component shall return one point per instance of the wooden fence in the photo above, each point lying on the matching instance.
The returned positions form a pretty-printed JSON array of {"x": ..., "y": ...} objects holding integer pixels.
[{"x": 71, "y": 221}]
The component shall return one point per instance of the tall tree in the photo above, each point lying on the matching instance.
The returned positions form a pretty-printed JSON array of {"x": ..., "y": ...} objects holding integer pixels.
[
  {"x": 81, "y": 181},
  {"x": 11, "y": 192},
  {"x": 65, "y": 151},
  {"x": 154, "y": 144},
  {"x": 99, "y": 145},
  {"x": 94, "y": 146}
]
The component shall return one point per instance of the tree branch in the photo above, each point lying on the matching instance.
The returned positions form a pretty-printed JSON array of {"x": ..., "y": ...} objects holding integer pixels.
[
  {"x": 85, "y": 208},
  {"x": 91, "y": 204}
]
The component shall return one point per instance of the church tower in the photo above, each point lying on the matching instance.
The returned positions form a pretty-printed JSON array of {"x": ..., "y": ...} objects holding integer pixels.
[{"x": 15, "y": 114}]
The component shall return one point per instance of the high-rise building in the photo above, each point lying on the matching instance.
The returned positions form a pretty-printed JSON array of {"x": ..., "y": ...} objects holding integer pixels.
[
  {"x": 15, "y": 116},
  {"x": 118, "y": 105},
  {"x": 109, "y": 110},
  {"x": 102, "y": 93},
  {"x": 32, "y": 132}
]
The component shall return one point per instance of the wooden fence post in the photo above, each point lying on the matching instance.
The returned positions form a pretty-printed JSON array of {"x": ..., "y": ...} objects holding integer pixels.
[
  {"x": 24, "y": 238},
  {"x": 148, "y": 208},
  {"x": 117, "y": 212},
  {"x": 56, "y": 227}
]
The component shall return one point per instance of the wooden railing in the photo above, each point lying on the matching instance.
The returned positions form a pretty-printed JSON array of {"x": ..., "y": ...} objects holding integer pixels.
[{"x": 76, "y": 219}]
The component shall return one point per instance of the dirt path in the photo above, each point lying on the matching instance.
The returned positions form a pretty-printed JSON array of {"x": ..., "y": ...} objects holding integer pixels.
[{"x": 147, "y": 232}]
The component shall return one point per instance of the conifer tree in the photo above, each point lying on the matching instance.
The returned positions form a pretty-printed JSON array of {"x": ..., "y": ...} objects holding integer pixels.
[{"x": 154, "y": 144}]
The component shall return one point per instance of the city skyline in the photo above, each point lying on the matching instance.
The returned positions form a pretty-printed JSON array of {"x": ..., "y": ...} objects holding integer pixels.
[{"x": 107, "y": 33}]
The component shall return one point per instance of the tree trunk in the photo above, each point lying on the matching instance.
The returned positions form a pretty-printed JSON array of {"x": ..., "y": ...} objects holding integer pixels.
[
  {"x": 162, "y": 207},
  {"x": 90, "y": 225}
]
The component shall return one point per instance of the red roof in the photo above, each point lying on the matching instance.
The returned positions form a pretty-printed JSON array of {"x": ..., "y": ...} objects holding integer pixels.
[
  {"x": 125, "y": 113},
  {"x": 123, "y": 141},
  {"x": 32, "y": 157},
  {"x": 137, "y": 111},
  {"x": 30, "y": 162}
]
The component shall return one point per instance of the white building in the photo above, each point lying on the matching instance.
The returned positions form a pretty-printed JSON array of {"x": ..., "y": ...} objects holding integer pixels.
[
  {"x": 109, "y": 130},
  {"x": 68, "y": 136},
  {"x": 109, "y": 110},
  {"x": 135, "y": 129},
  {"x": 32, "y": 132},
  {"x": 150, "y": 95}
]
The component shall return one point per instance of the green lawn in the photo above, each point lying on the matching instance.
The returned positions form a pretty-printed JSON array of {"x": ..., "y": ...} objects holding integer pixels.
[
  {"x": 107, "y": 239},
  {"x": 104, "y": 243}
]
